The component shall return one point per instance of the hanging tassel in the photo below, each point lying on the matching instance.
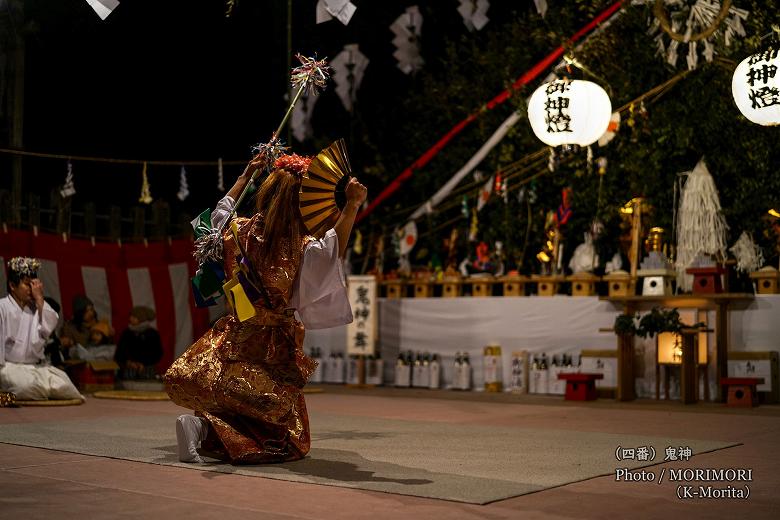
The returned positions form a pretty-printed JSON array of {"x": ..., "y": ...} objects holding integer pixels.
[
  {"x": 602, "y": 165},
  {"x": 220, "y": 176},
  {"x": 184, "y": 191},
  {"x": 146, "y": 193},
  {"x": 68, "y": 190},
  {"x": 693, "y": 56},
  {"x": 748, "y": 254},
  {"x": 551, "y": 162},
  {"x": 590, "y": 159},
  {"x": 701, "y": 227}
]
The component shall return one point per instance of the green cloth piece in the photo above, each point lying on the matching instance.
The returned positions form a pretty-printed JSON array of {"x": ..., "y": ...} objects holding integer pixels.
[{"x": 202, "y": 223}]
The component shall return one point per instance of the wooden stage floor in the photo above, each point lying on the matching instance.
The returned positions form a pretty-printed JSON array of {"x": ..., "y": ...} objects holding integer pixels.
[{"x": 40, "y": 483}]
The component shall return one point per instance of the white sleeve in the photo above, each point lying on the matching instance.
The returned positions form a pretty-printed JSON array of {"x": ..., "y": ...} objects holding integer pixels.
[
  {"x": 320, "y": 292},
  {"x": 222, "y": 211},
  {"x": 3, "y": 336},
  {"x": 48, "y": 323}
]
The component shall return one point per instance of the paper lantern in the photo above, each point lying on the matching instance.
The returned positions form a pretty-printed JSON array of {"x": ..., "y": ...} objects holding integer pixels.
[
  {"x": 669, "y": 348},
  {"x": 569, "y": 112},
  {"x": 756, "y": 87}
]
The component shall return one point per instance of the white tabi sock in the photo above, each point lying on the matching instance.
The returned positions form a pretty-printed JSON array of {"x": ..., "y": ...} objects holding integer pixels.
[{"x": 190, "y": 431}]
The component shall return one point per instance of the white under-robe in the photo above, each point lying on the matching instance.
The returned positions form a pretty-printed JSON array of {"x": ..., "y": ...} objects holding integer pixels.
[
  {"x": 23, "y": 371},
  {"x": 319, "y": 293}
]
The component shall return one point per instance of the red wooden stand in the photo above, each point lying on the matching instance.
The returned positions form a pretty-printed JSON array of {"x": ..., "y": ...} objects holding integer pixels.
[
  {"x": 742, "y": 390},
  {"x": 580, "y": 386},
  {"x": 92, "y": 376},
  {"x": 706, "y": 280}
]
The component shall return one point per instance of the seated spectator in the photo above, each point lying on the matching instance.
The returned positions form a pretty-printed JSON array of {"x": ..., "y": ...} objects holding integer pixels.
[
  {"x": 77, "y": 330},
  {"x": 139, "y": 348},
  {"x": 100, "y": 334},
  {"x": 53, "y": 350},
  {"x": 26, "y": 322},
  {"x": 100, "y": 344}
]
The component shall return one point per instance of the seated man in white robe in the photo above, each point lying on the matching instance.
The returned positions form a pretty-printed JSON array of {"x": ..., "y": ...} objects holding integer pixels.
[{"x": 26, "y": 322}]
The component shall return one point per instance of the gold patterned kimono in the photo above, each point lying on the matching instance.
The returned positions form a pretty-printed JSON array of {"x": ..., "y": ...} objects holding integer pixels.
[{"x": 246, "y": 378}]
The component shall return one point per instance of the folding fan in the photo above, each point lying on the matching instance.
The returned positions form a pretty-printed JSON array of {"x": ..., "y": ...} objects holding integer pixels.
[{"x": 323, "y": 187}]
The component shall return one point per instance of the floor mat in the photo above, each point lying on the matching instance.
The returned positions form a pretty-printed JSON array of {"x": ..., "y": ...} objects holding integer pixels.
[{"x": 462, "y": 462}]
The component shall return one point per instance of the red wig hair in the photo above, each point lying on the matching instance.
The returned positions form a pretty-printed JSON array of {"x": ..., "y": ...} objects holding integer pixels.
[{"x": 293, "y": 163}]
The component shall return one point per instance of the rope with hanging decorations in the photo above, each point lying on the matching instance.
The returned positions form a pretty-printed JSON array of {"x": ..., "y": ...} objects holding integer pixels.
[{"x": 663, "y": 18}]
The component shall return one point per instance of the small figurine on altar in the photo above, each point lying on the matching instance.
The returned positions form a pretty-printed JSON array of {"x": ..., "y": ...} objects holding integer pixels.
[
  {"x": 392, "y": 274},
  {"x": 586, "y": 258},
  {"x": 404, "y": 266},
  {"x": 451, "y": 249},
  {"x": 463, "y": 266},
  {"x": 549, "y": 254},
  {"x": 655, "y": 248},
  {"x": 451, "y": 272},
  {"x": 772, "y": 233},
  {"x": 498, "y": 259},
  {"x": 483, "y": 263},
  {"x": 379, "y": 258}
]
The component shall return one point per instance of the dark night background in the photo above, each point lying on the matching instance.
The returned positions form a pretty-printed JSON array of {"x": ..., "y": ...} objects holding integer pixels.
[{"x": 177, "y": 80}]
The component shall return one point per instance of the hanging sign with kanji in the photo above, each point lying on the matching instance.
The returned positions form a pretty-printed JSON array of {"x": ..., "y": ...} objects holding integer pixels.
[{"x": 363, "y": 332}]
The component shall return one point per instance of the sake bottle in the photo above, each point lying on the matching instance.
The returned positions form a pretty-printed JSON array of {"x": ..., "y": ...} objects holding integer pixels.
[
  {"x": 456, "y": 373},
  {"x": 466, "y": 373},
  {"x": 340, "y": 368},
  {"x": 330, "y": 368},
  {"x": 352, "y": 370},
  {"x": 379, "y": 367},
  {"x": 425, "y": 371},
  {"x": 544, "y": 376},
  {"x": 435, "y": 373},
  {"x": 316, "y": 376},
  {"x": 399, "y": 369}
]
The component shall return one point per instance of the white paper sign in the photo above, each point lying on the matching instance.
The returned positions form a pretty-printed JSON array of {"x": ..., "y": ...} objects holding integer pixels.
[
  {"x": 601, "y": 365},
  {"x": 363, "y": 331},
  {"x": 753, "y": 368},
  {"x": 519, "y": 379}
]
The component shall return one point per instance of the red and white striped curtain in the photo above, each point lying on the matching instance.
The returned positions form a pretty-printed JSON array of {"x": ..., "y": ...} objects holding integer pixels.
[{"x": 117, "y": 278}]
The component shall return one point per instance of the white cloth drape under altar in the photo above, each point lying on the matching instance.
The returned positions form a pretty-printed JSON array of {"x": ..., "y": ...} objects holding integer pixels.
[{"x": 553, "y": 325}]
